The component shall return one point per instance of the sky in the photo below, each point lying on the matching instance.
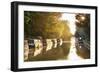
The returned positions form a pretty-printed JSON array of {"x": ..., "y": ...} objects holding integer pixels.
[{"x": 71, "y": 19}]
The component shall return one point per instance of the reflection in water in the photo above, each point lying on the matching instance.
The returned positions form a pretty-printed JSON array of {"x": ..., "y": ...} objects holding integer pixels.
[
  {"x": 72, "y": 55},
  {"x": 71, "y": 19},
  {"x": 59, "y": 48}
]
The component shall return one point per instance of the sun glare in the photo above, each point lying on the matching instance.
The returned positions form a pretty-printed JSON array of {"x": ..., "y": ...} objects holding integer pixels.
[{"x": 71, "y": 20}]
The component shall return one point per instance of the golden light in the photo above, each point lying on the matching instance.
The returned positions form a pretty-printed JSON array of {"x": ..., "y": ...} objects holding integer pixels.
[
  {"x": 82, "y": 18},
  {"x": 71, "y": 19},
  {"x": 72, "y": 54}
]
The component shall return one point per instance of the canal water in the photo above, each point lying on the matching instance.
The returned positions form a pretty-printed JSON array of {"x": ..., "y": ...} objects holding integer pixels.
[
  {"x": 71, "y": 19},
  {"x": 72, "y": 54}
]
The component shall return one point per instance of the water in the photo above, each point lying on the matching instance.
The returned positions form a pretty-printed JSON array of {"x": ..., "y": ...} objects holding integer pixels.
[{"x": 73, "y": 55}]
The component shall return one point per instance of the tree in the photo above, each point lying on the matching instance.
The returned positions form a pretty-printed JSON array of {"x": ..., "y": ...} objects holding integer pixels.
[
  {"x": 45, "y": 24},
  {"x": 83, "y": 29}
]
